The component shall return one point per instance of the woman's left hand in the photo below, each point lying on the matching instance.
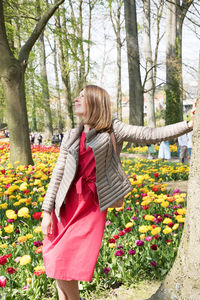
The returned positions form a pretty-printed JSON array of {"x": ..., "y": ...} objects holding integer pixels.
[{"x": 190, "y": 123}]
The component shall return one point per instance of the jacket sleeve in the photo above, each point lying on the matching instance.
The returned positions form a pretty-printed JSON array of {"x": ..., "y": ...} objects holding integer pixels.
[
  {"x": 57, "y": 174},
  {"x": 148, "y": 135}
]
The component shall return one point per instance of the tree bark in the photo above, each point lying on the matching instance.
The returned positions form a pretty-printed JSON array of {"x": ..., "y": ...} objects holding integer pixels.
[
  {"x": 174, "y": 111},
  {"x": 117, "y": 30},
  {"x": 12, "y": 77},
  {"x": 182, "y": 282},
  {"x": 176, "y": 13},
  {"x": 63, "y": 59},
  {"x": 198, "y": 90},
  {"x": 159, "y": 8},
  {"x": 136, "y": 102},
  {"x": 149, "y": 86},
  {"x": 45, "y": 89},
  {"x": 59, "y": 108},
  {"x": 33, "y": 97}
]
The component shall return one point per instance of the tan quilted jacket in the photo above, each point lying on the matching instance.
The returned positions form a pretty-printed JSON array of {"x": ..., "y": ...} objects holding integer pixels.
[{"x": 111, "y": 181}]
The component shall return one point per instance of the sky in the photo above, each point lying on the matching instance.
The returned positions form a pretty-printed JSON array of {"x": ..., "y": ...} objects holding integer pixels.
[
  {"x": 103, "y": 39},
  {"x": 102, "y": 26}
]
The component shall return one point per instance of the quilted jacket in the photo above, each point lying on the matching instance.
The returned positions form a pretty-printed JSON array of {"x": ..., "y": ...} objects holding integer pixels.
[{"x": 111, "y": 181}]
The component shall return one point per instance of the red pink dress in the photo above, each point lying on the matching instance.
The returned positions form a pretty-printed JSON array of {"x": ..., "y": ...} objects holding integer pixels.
[{"x": 72, "y": 250}]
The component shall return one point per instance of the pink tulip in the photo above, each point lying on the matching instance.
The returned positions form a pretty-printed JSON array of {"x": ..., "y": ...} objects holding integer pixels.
[{"x": 2, "y": 281}]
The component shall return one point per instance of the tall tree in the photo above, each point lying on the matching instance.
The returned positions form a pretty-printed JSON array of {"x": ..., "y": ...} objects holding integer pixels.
[
  {"x": 115, "y": 17},
  {"x": 175, "y": 15},
  {"x": 198, "y": 89},
  {"x": 64, "y": 62},
  {"x": 159, "y": 36},
  {"x": 12, "y": 76},
  {"x": 59, "y": 106},
  {"x": 149, "y": 84},
  {"x": 182, "y": 282},
  {"x": 45, "y": 88},
  {"x": 81, "y": 45},
  {"x": 136, "y": 102}
]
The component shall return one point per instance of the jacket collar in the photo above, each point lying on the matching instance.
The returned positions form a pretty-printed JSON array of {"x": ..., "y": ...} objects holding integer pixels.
[
  {"x": 76, "y": 132},
  {"x": 90, "y": 134}
]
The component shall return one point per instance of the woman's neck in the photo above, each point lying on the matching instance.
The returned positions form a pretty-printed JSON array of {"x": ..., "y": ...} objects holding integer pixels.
[{"x": 86, "y": 128}]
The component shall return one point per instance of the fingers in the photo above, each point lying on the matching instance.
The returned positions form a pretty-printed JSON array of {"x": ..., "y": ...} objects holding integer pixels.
[
  {"x": 45, "y": 231},
  {"x": 46, "y": 225}
]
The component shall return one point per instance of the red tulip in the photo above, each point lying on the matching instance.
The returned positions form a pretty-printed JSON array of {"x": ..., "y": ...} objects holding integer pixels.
[
  {"x": 37, "y": 215},
  {"x": 2, "y": 281},
  {"x": 3, "y": 260}
]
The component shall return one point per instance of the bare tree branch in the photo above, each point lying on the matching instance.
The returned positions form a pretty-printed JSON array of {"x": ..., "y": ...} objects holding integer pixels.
[{"x": 25, "y": 50}]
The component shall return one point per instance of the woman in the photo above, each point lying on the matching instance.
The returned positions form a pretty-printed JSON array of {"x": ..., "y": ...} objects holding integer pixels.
[{"x": 87, "y": 179}]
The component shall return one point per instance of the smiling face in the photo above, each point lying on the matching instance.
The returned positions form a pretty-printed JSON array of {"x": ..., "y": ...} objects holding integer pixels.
[{"x": 80, "y": 107}]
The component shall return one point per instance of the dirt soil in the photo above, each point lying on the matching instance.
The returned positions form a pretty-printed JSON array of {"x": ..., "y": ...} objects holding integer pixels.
[
  {"x": 141, "y": 291},
  {"x": 173, "y": 185}
]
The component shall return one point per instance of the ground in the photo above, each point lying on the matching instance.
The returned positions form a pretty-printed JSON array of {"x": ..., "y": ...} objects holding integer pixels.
[
  {"x": 182, "y": 185},
  {"x": 140, "y": 291}
]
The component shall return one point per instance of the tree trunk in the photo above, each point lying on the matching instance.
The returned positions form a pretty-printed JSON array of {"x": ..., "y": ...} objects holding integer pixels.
[
  {"x": 13, "y": 85},
  {"x": 149, "y": 86},
  {"x": 45, "y": 89},
  {"x": 198, "y": 90},
  {"x": 116, "y": 23},
  {"x": 82, "y": 79},
  {"x": 182, "y": 282},
  {"x": 12, "y": 76},
  {"x": 91, "y": 6},
  {"x": 63, "y": 60},
  {"x": 119, "y": 72},
  {"x": 59, "y": 108},
  {"x": 159, "y": 8},
  {"x": 176, "y": 13},
  {"x": 136, "y": 102},
  {"x": 33, "y": 96},
  {"x": 174, "y": 111}
]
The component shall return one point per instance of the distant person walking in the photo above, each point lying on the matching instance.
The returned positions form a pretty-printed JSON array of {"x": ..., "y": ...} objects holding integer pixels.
[
  {"x": 183, "y": 145},
  {"x": 32, "y": 138},
  {"x": 60, "y": 137},
  {"x": 39, "y": 138},
  {"x": 164, "y": 150}
]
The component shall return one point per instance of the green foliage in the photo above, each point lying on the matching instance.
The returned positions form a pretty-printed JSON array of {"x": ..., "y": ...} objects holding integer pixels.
[{"x": 173, "y": 113}]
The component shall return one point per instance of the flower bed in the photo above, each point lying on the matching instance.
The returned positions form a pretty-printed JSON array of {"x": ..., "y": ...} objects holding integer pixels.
[
  {"x": 140, "y": 240},
  {"x": 144, "y": 150}
]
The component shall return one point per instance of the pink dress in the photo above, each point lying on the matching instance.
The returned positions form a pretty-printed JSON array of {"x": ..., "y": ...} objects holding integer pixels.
[{"x": 72, "y": 250}]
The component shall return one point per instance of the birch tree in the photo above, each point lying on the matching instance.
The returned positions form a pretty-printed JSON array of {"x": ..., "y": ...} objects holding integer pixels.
[
  {"x": 115, "y": 17},
  {"x": 149, "y": 84}
]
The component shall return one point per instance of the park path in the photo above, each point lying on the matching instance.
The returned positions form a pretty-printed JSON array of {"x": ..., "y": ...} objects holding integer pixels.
[{"x": 141, "y": 291}]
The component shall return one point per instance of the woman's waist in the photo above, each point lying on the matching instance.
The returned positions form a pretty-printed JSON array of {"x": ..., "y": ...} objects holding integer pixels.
[{"x": 83, "y": 181}]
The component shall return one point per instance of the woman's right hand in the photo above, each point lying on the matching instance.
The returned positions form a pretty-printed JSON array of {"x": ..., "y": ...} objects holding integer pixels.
[{"x": 47, "y": 224}]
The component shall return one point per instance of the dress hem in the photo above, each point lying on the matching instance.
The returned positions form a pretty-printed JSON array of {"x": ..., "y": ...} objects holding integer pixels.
[{"x": 67, "y": 278}]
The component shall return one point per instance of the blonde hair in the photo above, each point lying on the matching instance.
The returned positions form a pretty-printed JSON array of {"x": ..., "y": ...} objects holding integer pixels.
[{"x": 98, "y": 108}]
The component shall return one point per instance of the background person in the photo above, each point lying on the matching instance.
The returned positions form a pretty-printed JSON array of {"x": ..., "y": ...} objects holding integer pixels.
[
  {"x": 183, "y": 141},
  {"x": 164, "y": 150},
  {"x": 87, "y": 179}
]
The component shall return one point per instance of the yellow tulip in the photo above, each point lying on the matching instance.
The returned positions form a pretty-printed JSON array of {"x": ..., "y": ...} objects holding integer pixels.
[
  {"x": 9, "y": 228},
  {"x": 24, "y": 260}
]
